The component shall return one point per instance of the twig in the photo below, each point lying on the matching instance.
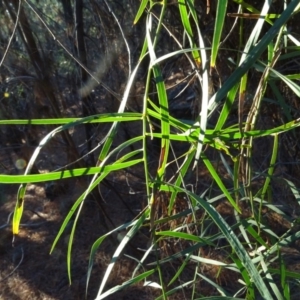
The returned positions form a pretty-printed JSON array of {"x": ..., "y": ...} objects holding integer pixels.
[
  {"x": 23, "y": 224},
  {"x": 14, "y": 270},
  {"x": 12, "y": 35}
]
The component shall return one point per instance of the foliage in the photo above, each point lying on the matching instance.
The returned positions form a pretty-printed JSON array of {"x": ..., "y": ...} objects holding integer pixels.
[{"x": 223, "y": 136}]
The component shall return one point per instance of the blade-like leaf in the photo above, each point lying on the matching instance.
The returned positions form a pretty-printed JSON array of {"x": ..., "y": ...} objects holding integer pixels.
[{"x": 219, "y": 25}]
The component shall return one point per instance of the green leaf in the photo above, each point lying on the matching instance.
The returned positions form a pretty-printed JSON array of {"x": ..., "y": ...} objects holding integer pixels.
[
  {"x": 34, "y": 178},
  {"x": 253, "y": 55},
  {"x": 219, "y": 182},
  {"x": 136, "y": 226},
  {"x": 235, "y": 244},
  {"x": 183, "y": 235},
  {"x": 72, "y": 122},
  {"x": 125, "y": 284},
  {"x": 140, "y": 11},
  {"x": 219, "y": 25}
]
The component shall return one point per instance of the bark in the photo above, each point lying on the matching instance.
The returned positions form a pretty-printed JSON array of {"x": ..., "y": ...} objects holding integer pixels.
[
  {"x": 87, "y": 108},
  {"x": 41, "y": 68}
]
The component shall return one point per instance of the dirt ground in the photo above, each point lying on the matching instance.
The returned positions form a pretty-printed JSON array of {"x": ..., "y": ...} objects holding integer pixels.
[{"x": 27, "y": 271}]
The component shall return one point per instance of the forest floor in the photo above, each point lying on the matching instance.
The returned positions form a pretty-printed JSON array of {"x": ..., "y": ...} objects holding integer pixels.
[{"x": 27, "y": 271}]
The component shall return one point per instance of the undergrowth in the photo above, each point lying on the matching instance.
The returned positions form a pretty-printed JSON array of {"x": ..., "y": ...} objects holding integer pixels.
[{"x": 223, "y": 139}]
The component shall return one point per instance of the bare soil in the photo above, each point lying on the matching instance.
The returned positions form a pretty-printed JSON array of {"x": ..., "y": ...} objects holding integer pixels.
[{"x": 27, "y": 271}]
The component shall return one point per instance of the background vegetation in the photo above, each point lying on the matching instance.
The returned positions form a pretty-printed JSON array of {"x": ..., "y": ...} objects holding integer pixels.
[{"x": 172, "y": 130}]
